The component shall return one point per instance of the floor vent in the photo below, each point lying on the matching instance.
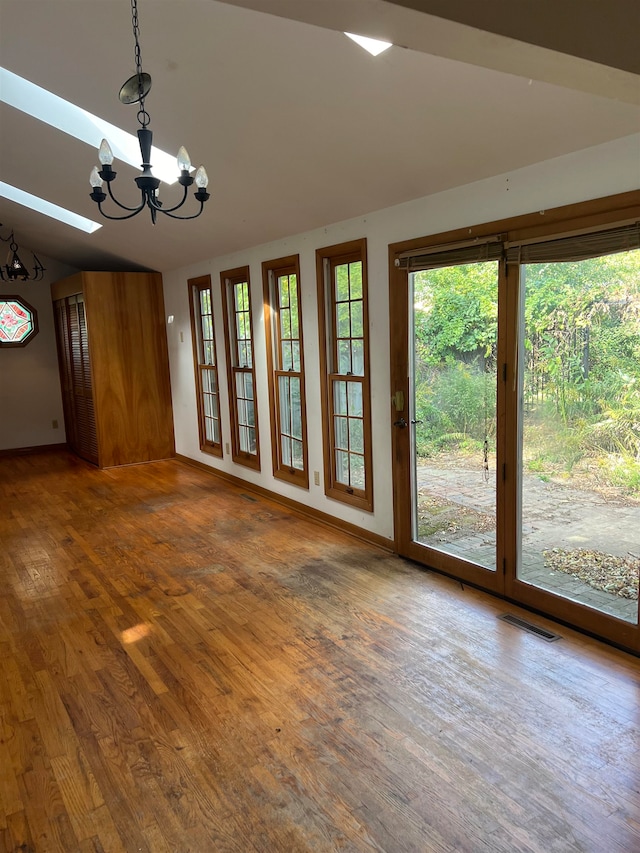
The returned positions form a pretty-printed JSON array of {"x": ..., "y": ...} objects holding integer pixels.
[
  {"x": 528, "y": 626},
  {"x": 249, "y": 498}
]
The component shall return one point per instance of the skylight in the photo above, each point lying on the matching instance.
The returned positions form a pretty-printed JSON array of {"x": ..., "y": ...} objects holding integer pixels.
[
  {"x": 49, "y": 209},
  {"x": 67, "y": 117},
  {"x": 373, "y": 46}
]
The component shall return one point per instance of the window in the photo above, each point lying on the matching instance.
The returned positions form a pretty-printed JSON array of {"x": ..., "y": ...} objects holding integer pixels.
[
  {"x": 236, "y": 299},
  {"x": 18, "y": 322},
  {"x": 344, "y": 364},
  {"x": 206, "y": 365},
  {"x": 285, "y": 364}
]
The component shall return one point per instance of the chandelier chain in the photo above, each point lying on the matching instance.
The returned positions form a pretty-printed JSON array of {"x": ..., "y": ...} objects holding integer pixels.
[{"x": 143, "y": 115}]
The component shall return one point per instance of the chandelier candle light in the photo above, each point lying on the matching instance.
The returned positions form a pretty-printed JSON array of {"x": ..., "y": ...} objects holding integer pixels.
[{"x": 134, "y": 91}]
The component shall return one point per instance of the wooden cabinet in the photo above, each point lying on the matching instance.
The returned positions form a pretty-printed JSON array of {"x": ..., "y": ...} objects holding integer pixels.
[{"x": 114, "y": 367}]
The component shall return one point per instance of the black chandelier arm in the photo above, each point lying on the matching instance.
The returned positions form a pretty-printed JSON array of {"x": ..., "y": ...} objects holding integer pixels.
[
  {"x": 123, "y": 206},
  {"x": 193, "y": 216},
  {"x": 126, "y": 216}
]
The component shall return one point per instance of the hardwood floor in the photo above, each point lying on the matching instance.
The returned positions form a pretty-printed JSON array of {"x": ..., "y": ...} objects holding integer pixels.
[{"x": 185, "y": 667}]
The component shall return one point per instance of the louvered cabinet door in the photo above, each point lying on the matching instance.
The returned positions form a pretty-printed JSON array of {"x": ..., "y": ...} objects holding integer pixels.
[
  {"x": 61, "y": 311},
  {"x": 75, "y": 373}
]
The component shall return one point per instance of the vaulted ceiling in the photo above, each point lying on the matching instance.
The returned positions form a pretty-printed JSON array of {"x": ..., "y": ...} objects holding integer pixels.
[{"x": 299, "y": 127}]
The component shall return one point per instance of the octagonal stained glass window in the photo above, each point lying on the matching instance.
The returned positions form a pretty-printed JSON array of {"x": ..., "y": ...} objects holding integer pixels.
[{"x": 18, "y": 321}]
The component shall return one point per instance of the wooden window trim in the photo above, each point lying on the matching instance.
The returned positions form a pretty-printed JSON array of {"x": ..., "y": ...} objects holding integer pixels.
[
  {"x": 9, "y": 297},
  {"x": 271, "y": 270},
  {"x": 354, "y": 250},
  {"x": 196, "y": 286},
  {"x": 228, "y": 279}
]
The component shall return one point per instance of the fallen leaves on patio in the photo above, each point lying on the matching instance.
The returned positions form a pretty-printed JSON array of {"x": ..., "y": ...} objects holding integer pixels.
[
  {"x": 616, "y": 575},
  {"x": 449, "y": 520}
]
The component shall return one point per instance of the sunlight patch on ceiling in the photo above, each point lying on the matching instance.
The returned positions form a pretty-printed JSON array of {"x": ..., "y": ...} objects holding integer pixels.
[
  {"x": 67, "y": 117},
  {"x": 374, "y": 46},
  {"x": 48, "y": 208}
]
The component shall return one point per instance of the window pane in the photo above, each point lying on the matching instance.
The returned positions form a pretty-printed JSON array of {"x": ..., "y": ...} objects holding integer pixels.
[
  {"x": 357, "y": 358},
  {"x": 356, "y": 435},
  {"x": 355, "y": 398},
  {"x": 355, "y": 272},
  {"x": 342, "y": 283},
  {"x": 251, "y": 413},
  {"x": 356, "y": 471},
  {"x": 298, "y": 458},
  {"x": 285, "y": 449},
  {"x": 344, "y": 357},
  {"x": 295, "y": 356},
  {"x": 283, "y": 296},
  {"x": 239, "y": 294},
  {"x": 241, "y": 331},
  {"x": 341, "y": 436},
  {"x": 285, "y": 408},
  {"x": 356, "y": 319},
  {"x": 295, "y": 326},
  {"x": 248, "y": 385},
  {"x": 285, "y": 323},
  {"x": 340, "y": 396},
  {"x": 342, "y": 467},
  {"x": 343, "y": 324},
  {"x": 296, "y": 408},
  {"x": 287, "y": 357}
]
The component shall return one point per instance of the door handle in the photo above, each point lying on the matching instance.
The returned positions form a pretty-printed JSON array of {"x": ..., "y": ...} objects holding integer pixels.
[{"x": 401, "y": 423}]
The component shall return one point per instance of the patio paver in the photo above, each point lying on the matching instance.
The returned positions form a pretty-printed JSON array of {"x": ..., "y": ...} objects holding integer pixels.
[{"x": 554, "y": 516}]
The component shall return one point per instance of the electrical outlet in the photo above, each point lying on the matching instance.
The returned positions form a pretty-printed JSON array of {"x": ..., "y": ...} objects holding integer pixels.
[
  {"x": 54, "y": 424},
  {"x": 181, "y": 337},
  {"x": 226, "y": 448},
  {"x": 316, "y": 478}
]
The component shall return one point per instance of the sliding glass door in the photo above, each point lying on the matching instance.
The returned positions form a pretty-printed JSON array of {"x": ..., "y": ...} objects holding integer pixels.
[
  {"x": 580, "y": 415},
  {"x": 516, "y": 413}
]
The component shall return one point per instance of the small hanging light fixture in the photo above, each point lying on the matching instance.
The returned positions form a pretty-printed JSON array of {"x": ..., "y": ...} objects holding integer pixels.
[
  {"x": 134, "y": 91},
  {"x": 14, "y": 269}
]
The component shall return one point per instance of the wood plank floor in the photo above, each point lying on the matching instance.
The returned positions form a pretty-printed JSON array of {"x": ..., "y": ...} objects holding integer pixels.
[{"x": 187, "y": 668}]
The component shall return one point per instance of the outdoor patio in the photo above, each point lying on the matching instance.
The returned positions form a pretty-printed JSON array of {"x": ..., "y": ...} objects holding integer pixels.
[{"x": 555, "y": 516}]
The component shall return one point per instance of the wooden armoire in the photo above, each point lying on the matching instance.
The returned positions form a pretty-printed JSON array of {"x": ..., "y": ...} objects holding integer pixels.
[{"x": 114, "y": 366}]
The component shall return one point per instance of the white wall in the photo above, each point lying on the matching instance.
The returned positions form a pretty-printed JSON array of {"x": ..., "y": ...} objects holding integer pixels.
[
  {"x": 591, "y": 173},
  {"x": 30, "y": 397}
]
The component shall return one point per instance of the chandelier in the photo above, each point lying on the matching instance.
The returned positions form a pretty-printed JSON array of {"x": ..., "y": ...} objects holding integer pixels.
[
  {"x": 14, "y": 269},
  {"x": 134, "y": 91}
]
